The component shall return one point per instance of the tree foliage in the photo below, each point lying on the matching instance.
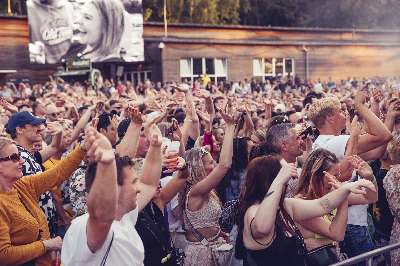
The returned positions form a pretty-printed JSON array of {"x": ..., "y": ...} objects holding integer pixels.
[{"x": 300, "y": 13}]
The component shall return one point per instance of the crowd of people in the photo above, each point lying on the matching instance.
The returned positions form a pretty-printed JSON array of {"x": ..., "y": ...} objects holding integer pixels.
[{"x": 244, "y": 173}]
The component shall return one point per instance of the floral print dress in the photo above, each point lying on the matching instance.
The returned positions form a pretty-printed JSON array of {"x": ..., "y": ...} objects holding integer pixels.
[
  {"x": 391, "y": 183},
  {"x": 77, "y": 192}
]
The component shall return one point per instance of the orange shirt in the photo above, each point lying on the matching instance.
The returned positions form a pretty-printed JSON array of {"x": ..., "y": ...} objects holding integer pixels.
[{"x": 22, "y": 231}]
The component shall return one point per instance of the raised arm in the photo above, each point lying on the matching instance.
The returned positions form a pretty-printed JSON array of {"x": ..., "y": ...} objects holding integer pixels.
[
  {"x": 393, "y": 113},
  {"x": 55, "y": 130},
  {"x": 191, "y": 126},
  {"x": 334, "y": 230},
  {"x": 263, "y": 225},
  {"x": 130, "y": 142},
  {"x": 80, "y": 126},
  {"x": 377, "y": 134},
  {"x": 215, "y": 177},
  {"x": 307, "y": 209},
  {"x": 46, "y": 180},
  {"x": 365, "y": 171},
  {"x": 177, "y": 183},
  {"x": 103, "y": 195},
  {"x": 151, "y": 169}
]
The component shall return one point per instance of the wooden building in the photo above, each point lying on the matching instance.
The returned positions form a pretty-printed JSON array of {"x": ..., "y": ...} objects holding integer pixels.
[{"x": 228, "y": 53}]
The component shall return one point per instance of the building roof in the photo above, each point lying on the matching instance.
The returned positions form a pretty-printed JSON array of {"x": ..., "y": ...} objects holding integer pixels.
[{"x": 249, "y": 27}]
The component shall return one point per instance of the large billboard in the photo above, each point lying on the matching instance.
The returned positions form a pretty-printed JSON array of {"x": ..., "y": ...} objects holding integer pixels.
[{"x": 98, "y": 30}]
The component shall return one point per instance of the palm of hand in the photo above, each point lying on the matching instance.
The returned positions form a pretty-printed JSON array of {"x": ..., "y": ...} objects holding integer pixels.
[{"x": 364, "y": 170}]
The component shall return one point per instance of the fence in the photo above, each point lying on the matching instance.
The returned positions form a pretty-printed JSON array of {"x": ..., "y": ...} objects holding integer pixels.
[{"x": 368, "y": 256}]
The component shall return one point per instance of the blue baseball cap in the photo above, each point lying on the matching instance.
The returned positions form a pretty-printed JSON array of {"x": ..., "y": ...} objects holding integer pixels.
[{"x": 21, "y": 119}]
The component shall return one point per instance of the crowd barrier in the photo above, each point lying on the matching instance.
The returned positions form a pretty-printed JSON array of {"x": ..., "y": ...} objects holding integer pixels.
[{"x": 368, "y": 256}]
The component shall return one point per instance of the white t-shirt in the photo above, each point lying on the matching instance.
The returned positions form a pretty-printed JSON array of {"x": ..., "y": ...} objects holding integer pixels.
[
  {"x": 175, "y": 225},
  {"x": 337, "y": 145},
  {"x": 126, "y": 249}
]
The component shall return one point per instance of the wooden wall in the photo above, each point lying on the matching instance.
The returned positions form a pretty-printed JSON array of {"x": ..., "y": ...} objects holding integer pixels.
[
  {"x": 332, "y": 53},
  {"x": 14, "y": 38}
]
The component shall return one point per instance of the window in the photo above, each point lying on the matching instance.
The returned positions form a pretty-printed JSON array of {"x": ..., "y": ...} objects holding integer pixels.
[
  {"x": 137, "y": 76},
  {"x": 270, "y": 67},
  {"x": 192, "y": 68}
]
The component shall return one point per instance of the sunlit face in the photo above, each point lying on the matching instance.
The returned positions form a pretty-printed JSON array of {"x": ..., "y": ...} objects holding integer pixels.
[
  {"x": 129, "y": 189},
  {"x": 32, "y": 133},
  {"x": 338, "y": 119},
  {"x": 208, "y": 163},
  {"x": 89, "y": 25},
  {"x": 11, "y": 171},
  {"x": 293, "y": 143},
  {"x": 219, "y": 135},
  {"x": 111, "y": 132}
]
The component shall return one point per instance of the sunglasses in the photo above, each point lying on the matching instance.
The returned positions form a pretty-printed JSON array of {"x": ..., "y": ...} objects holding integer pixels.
[{"x": 15, "y": 157}]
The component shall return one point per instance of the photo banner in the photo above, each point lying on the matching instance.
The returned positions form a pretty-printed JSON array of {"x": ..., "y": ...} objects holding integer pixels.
[{"x": 97, "y": 30}]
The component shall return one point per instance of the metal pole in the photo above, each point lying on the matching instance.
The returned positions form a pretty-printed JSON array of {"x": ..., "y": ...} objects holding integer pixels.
[
  {"x": 9, "y": 7},
  {"x": 165, "y": 20}
]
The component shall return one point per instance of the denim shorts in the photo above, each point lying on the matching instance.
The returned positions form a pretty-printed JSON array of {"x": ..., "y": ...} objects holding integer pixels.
[{"x": 357, "y": 240}]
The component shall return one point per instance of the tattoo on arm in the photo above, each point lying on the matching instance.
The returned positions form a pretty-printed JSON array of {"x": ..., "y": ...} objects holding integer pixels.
[{"x": 326, "y": 205}]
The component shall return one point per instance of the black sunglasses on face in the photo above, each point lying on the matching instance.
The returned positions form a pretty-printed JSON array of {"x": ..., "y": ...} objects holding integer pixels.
[{"x": 15, "y": 157}]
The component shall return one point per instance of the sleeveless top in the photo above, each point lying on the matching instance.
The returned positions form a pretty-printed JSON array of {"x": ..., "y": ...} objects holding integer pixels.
[
  {"x": 283, "y": 251},
  {"x": 207, "y": 216},
  {"x": 329, "y": 218}
]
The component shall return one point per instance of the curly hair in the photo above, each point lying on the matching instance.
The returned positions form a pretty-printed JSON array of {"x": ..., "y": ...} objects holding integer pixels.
[{"x": 322, "y": 108}]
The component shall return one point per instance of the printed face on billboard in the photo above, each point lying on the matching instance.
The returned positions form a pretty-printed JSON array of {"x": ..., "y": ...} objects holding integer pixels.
[{"x": 99, "y": 30}]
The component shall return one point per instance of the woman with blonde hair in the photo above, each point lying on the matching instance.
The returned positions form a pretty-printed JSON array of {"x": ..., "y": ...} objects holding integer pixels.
[
  {"x": 207, "y": 245},
  {"x": 24, "y": 234}
]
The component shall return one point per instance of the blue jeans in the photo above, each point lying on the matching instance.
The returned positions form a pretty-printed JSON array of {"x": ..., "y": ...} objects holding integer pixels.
[{"x": 357, "y": 240}]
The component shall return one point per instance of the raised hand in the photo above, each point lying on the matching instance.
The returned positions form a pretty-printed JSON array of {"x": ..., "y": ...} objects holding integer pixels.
[
  {"x": 156, "y": 136},
  {"x": 230, "y": 117},
  {"x": 332, "y": 180},
  {"x": 54, "y": 128},
  {"x": 183, "y": 88},
  {"x": 359, "y": 186},
  {"x": 377, "y": 95},
  {"x": 360, "y": 97},
  {"x": 98, "y": 147},
  {"x": 288, "y": 170},
  {"x": 394, "y": 109},
  {"x": 361, "y": 166},
  {"x": 8, "y": 106},
  {"x": 355, "y": 127},
  {"x": 173, "y": 162},
  {"x": 135, "y": 115}
]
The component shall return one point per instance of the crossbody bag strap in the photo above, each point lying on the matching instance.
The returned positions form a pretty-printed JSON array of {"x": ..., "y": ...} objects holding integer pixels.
[{"x": 104, "y": 260}]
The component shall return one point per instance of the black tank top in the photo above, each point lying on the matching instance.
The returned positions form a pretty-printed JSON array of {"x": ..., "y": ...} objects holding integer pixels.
[{"x": 283, "y": 251}]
